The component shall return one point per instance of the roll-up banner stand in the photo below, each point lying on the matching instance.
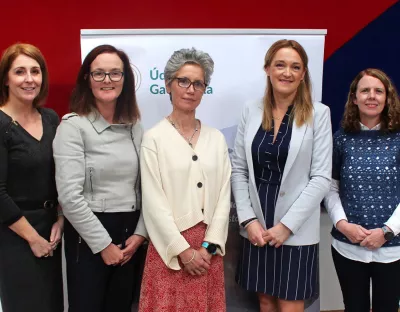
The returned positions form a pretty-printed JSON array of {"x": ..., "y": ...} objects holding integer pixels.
[{"x": 238, "y": 77}]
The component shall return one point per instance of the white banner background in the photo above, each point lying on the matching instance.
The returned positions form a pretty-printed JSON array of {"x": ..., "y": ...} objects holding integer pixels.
[{"x": 238, "y": 77}]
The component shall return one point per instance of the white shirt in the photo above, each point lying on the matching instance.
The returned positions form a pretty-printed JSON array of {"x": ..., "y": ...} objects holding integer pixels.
[{"x": 354, "y": 252}]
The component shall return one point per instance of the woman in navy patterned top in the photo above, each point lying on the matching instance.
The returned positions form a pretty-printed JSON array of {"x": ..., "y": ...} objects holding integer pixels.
[
  {"x": 281, "y": 171},
  {"x": 365, "y": 194}
]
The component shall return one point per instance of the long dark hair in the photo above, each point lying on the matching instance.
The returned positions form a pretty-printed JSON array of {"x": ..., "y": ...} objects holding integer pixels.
[{"x": 82, "y": 100}]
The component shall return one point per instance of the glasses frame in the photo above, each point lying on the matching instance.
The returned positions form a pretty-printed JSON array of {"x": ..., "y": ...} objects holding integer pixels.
[
  {"x": 191, "y": 83},
  {"x": 105, "y": 75}
]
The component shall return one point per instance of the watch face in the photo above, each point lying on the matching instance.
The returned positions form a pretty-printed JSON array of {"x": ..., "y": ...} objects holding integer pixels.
[
  {"x": 212, "y": 248},
  {"x": 389, "y": 236}
]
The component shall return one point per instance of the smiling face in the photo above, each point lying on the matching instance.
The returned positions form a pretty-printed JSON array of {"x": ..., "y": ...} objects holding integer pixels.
[
  {"x": 370, "y": 98},
  {"x": 286, "y": 72},
  {"x": 24, "y": 79},
  {"x": 106, "y": 91},
  {"x": 186, "y": 99}
]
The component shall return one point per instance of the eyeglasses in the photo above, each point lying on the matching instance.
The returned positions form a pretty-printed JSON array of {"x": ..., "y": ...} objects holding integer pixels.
[
  {"x": 100, "y": 76},
  {"x": 184, "y": 82}
]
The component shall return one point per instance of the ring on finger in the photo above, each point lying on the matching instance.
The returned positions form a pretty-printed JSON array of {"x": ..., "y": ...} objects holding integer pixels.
[
  {"x": 255, "y": 244},
  {"x": 271, "y": 243}
]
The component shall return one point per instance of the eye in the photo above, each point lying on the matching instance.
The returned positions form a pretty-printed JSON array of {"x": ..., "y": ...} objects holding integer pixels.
[
  {"x": 116, "y": 74},
  {"x": 297, "y": 67},
  {"x": 364, "y": 90},
  {"x": 199, "y": 84},
  {"x": 35, "y": 71},
  {"x": 98, "y": 74},
  {"x": 20, "y": 71},
  {"x": 379, "y": 91},
  {"x": 279, "y": 65}
]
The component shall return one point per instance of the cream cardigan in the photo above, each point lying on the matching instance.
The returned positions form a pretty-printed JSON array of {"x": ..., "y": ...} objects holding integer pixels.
[{"x": 172, "y": 173}]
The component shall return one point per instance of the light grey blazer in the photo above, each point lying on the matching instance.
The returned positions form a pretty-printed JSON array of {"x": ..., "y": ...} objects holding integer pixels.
[{"x": 306, "y": 176}]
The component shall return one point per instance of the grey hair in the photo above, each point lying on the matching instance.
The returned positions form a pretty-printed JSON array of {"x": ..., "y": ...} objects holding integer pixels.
[{"x": 189, "y": 56}]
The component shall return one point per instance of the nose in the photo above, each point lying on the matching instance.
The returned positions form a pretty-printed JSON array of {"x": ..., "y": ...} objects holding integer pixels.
[
  {"x": 190, "y": 89},
  {"x": 372, "y": 94},
  {"x": 28, "y": 77},
  {"x": 286, "y": 71},
  {"x": 107, "y": 78}
]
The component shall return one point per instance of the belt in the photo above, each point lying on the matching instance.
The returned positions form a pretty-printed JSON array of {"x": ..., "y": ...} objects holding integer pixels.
[{"x": 35, "y": 204}]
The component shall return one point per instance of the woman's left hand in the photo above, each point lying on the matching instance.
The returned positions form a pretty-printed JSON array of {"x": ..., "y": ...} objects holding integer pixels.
[
  {"x": 276, "y": 235},
  {"x": 56, "y": 232},
  {"x": 132, "y": 244},
  {"x": 374, "y": 240}
]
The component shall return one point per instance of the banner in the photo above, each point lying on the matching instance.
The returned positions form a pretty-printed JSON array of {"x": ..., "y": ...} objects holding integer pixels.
[{"x": 238, "y": 77}]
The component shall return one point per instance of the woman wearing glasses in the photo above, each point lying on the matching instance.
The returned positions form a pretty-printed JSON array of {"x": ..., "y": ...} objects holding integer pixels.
[
  {"x": 186, "y": 197},
  {"x": 96, "y": 151}
]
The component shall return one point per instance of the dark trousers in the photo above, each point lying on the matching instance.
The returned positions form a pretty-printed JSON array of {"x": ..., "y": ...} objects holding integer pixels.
[
  {"x": 355, "y": 277},
  {"x": 94, "y": 286}
]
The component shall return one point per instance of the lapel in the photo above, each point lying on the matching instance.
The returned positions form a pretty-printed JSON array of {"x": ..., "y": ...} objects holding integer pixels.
[
  {"x": 295, "y": 143},
  {"x": 254, "y": 123}
]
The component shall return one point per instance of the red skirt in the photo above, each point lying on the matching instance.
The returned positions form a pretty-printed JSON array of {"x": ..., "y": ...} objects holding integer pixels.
[{"x": 166, "y": 290}]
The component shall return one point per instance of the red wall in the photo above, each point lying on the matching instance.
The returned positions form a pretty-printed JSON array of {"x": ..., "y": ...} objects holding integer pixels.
[{"x": 55, "y": 27}]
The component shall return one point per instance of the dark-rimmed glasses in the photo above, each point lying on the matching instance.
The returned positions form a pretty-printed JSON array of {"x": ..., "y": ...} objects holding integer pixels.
[
  {"x": 185, "y": 82},
  {"x": 99, "y": 76}
]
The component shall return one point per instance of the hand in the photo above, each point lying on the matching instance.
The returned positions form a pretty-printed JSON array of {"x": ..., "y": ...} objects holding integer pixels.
[
  {"x": 131, "y": 245},
  {"x": 355, "y": 233},
  {"x": 255, "y": 233},
  {"x": 40, "y": 246},
  {"x": 374, "y": 240},
  {"x": 56, "y": 232},
  {"x": 277, "y": 235},
  {"x": 195, "y": 267},
  {"x": 112, "y": 255},
  {"x": 205, "y": 255}
]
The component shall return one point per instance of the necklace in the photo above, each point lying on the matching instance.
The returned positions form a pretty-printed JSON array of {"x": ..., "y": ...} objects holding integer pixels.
[{"x": 188, "y": 139}]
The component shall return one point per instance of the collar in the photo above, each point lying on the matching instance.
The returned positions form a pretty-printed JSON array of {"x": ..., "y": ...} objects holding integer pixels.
[
  {"x": 98, "y": 122},
  {"x": 365, "y": 128}
]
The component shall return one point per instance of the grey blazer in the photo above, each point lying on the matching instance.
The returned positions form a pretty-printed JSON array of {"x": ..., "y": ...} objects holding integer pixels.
[{"x": 306, "y": 176}]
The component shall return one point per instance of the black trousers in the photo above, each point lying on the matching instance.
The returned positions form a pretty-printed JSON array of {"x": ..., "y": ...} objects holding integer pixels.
[
  {"x": 355, "y": 277},
  {"x": 94, "y": 286}
]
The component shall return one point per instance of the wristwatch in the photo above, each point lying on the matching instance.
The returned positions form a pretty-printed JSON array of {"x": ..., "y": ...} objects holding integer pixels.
[
  {"x": 387, "y": 233},
  {"x": 211, "y": 248}
]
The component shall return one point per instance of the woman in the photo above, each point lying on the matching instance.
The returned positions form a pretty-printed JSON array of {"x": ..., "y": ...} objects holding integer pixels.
[
  {"x": 363, "y": 202},
  {"x": 30, "y": 228},
  {"x": 186, "y": 197},
  {"x": 96, "y": 151},
  {"x": 280, "y": 173}
]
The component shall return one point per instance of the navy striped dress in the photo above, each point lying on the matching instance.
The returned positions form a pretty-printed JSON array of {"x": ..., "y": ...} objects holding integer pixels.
[{"x": 287, "y": 272}]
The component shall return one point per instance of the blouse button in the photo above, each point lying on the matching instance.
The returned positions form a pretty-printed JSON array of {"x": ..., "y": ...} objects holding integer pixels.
[
  {"x": 194, "y": 157},
  {"x": 199, "y": 185}
]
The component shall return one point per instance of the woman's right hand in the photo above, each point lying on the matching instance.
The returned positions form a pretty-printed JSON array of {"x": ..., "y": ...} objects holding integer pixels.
[
  {"x": 197, "y": 266},
  {"x": 40, "y": 246},
  {"x": 255, "y": 233},
  {"x": 112, "y": 255},
  {"x": 355, "y": 233}
]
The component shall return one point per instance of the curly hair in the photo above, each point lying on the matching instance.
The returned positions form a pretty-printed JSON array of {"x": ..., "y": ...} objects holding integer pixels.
[{"x": 390, "y": 116}]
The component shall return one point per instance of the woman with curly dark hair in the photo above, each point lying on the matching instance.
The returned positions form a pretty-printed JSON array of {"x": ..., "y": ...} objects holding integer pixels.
[{"x": 363, "y": 202}]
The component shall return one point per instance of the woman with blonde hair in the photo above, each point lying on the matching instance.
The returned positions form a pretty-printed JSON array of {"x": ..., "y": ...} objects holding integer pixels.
[
  {"x": 281, "y": 171},
  {"x": 30, "y": 224},
  {"x": 363, "y": 202}
]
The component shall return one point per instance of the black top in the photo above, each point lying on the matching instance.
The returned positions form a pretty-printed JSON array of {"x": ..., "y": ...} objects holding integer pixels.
[{"x": 27, "y": 170}]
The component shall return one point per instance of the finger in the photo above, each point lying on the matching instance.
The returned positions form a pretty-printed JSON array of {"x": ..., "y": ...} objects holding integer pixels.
[
  {"x": 365, "y": 231},
  {"x": 206, "y": 266},
  {"x": 364, "y": 243},
  {"x": 272, "y": 243},
  {"x": 198, "y": 272},
  {"x": 53, "y": 235}
]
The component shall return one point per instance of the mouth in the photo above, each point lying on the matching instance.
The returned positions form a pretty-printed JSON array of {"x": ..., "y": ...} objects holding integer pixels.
[
  {"x": 190, "y": 100},
  {"x": 369, "y": 105},
  {"x": 107, "y": 88},
  {"x": 285, "y": 81},
  {"x": 29, "y": 89}
]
